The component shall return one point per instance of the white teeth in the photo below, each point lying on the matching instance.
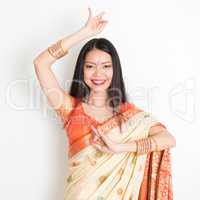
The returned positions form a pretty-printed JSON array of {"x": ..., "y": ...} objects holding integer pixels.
[{"x": 98, "y": 82}]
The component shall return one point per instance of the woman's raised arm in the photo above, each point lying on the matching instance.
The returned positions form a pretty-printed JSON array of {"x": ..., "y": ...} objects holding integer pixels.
[
  {"x": 48, "y": 82},
  {"x": 55, "y": 94}
]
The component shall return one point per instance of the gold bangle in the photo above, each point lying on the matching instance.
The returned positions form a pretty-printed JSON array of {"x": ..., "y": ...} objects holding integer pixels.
[
  {"x": 146, "y": 145},
  {"x": 146, "y": 141},
  {"x": 138, "y": 143},
  {"x": 143, "y": 145},
  {"x": 140, "y": 146},
  {"x": 150, "y": 141},
  {"x": 154, "y": 140},
  {"x": 56, "y": 50}
]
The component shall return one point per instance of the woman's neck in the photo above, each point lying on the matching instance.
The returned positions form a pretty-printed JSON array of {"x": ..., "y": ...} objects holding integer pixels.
[{"x": 98, "y": 99}]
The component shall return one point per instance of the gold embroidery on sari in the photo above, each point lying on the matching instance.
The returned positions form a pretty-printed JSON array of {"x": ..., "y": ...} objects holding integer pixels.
[
  {"x": 92, "y": 161},
  {"x": 75, "y": 163},
  {"x": 121, "y": 170},
  {"x": 98, "y": 154},
  {"x": 102, "y": 178},
  {"x": 119, "y": 191},
  {"x": 69, "y": 178}
]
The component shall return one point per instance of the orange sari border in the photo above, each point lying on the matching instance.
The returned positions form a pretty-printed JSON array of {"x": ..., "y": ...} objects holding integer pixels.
[{"x": 157, "y": 180}]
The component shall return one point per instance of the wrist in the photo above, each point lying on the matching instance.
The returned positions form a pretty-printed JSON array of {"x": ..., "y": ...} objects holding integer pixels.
[
  {"x": 128, "y": 147},
  {"x": 84, "y": 32},
  {"x": 74, "y": 38}
]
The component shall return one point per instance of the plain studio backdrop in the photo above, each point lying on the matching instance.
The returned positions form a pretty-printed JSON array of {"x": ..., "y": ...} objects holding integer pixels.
[{"x": 159, "y": 46}]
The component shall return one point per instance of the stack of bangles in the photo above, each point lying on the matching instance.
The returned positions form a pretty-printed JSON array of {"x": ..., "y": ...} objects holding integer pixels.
[
  {"x": 144, "y": 145},
  {"x": 56, "y": 50}
]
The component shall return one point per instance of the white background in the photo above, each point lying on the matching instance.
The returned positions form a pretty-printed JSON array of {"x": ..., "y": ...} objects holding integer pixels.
[{"x": 159, "y": 46}]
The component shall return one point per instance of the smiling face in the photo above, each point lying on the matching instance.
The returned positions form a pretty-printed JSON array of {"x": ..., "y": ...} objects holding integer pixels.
[{"x": 98, "y": 70}]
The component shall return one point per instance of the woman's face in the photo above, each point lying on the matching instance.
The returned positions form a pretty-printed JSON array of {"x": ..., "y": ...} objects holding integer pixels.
[{"x": 98, "y": 70}]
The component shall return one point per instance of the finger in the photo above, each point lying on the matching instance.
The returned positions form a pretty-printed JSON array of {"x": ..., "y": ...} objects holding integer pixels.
[
  {"x": 100, "y": 27},
  {"x": 108, "y": 142},
  {"x": 104, "y": 21},
  {"x": 106, "y": 149},
  {"x": 100, "y": 14},
  {"x": 95, "y": 138},
  {"x": 102, "y": 148},
  {"x": 99, "y": 18},
  {"x": 98, "y": 141},
  {"x": 100, "y": 135},
  {"x": 103, "y": 137},
  {"x": 95, "y": 131},
  {"x": 90, "y": 13},
  {"x": 99, "y": 131},
  {"x": 97, "y": 146}
]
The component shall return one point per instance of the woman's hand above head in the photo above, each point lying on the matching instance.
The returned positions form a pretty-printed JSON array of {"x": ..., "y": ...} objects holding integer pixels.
[{"x": 94, "y": 24}]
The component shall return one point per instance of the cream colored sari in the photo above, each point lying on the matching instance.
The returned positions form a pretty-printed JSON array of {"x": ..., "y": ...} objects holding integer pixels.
[{"x": 94, "y": 175}]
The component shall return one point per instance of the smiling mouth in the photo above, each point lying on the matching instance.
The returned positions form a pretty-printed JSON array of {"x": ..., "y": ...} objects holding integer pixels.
[{"x": 98, "y": 81}]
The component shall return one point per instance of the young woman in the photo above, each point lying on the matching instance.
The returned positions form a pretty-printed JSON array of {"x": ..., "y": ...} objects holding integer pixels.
[{"x": 116, "y": 150}]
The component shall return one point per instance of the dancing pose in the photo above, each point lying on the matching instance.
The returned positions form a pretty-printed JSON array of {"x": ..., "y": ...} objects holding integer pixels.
[{"x": 117, "y": 151}]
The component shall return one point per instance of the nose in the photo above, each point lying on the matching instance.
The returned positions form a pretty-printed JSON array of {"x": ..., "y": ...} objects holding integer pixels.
[{"x": 98, "y": 70}]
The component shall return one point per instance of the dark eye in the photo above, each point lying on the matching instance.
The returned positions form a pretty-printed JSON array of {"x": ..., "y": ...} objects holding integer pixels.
[
  {"x": 88, "y": 66},
  {"x": 107, "y": 66}
]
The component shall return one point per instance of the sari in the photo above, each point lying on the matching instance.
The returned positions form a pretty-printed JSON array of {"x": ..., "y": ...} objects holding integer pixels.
[{"x": 95, "y": 175}]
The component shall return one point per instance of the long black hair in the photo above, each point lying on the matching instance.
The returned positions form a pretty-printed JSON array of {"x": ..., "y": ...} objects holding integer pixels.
[{"x": 116, "y": 91}]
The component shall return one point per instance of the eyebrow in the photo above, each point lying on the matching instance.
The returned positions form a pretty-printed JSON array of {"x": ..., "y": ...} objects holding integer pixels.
[{"x": 95, "y": 63}]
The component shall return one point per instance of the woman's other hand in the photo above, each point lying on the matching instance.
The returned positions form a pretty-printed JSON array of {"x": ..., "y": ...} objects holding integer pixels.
[{"x": 103, "y": 143}]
